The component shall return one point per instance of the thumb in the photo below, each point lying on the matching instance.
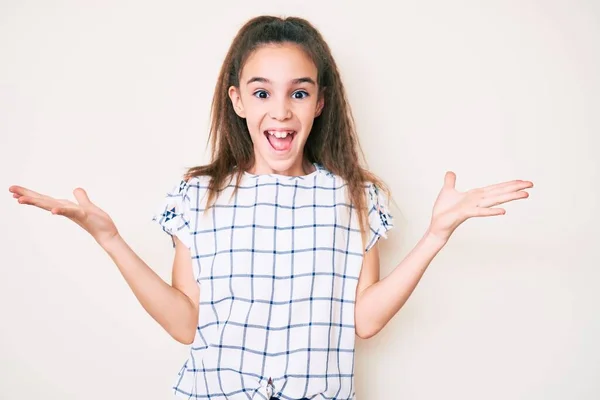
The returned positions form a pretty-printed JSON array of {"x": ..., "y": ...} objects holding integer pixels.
[
  {"x": 81, "y": 196},
  {"x": 450, "y": 179}
]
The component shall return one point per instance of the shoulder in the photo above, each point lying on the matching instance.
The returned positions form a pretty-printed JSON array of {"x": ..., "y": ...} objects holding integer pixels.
[
  {"x": 196, "y": 181},
  {"x": 196, "y": 187}
]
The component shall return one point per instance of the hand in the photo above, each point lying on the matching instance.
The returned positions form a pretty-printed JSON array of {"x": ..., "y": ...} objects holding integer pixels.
[
  {"x": 452, "y": 207},
  {"x": 84, "y": 213}
]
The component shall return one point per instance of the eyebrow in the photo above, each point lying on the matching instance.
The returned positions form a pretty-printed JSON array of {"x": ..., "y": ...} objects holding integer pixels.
[{"x": 296, "y": 81}]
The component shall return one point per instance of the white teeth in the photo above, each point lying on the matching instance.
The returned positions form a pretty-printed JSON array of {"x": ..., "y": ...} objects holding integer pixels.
[{"x": 280, "y": 134}]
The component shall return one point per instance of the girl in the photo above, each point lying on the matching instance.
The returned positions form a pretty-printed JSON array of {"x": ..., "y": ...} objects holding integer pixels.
[{"x": 276, "y": 265}]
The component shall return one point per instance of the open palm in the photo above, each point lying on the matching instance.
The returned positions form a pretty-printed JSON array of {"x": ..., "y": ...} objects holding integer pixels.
[
  {"x": 452, "y": 207},
  {"x": 84, "y": 213}
]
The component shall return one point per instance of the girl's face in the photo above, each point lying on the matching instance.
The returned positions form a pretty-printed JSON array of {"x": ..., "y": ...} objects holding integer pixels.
[{"x": 279, "y": 98}]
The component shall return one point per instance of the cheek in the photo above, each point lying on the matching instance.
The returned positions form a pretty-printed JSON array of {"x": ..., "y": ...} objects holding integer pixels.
[
  {"x": 306, "y": 114},
  {"x": 254, "y": 118}
]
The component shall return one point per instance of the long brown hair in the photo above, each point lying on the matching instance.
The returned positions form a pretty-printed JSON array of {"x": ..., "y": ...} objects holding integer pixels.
[{"x": 332, "y": 142}]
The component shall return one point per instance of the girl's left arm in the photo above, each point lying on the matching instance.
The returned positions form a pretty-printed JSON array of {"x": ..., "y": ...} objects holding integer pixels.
[{"x": 377, "y": 301}]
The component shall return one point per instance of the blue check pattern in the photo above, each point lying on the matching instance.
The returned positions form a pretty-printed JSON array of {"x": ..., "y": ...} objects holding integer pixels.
[{"x": 278, "y": 264}]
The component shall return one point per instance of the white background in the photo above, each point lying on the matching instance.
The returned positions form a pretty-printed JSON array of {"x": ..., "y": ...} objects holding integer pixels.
[{"x": 114, "y": 97}]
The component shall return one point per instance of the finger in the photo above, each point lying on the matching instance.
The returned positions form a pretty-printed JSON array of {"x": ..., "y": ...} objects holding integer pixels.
[
  {"x": 490, "y": 201},
  {"x": 24, "y": 191},
  {"x": 450, "y": 179},
  {"x": 81, "y": 196},
  {"x": 35, "y": 201},
  {"x": 516, "y": 187},
  {"x": 516, "y": 184}
]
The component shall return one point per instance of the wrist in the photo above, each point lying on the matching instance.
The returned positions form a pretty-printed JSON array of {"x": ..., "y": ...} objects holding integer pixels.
[
  {"x": 436, "y": 238},
  {"x": 110, "y": 243}
]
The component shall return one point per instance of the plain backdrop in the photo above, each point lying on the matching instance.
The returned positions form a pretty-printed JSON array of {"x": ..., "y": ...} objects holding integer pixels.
[{"x": 114, "y": 97}]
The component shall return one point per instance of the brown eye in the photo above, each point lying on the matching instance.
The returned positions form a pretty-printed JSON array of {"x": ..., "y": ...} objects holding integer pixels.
[
  {"x": 300, "y": 94},
  {"x": 261, "y": 94}
]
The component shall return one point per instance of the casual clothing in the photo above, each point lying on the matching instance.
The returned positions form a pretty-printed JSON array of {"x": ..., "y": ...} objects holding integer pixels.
[{"x": 278, "y": 264}]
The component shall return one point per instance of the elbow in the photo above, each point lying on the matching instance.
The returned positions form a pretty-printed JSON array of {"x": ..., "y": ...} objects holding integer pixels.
[
  {"x": 184, "y": 330},
  {"x": 186, "y": 341},
  {"x": 365, "y": 334},
  {"x": 185, "y": 337},
  {"x": 365, "y": 325},
  {"x": 366, "y": 330},
  {"x": 184, "y": 334}
]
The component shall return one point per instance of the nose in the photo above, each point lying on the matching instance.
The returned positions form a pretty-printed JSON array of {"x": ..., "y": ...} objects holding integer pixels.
[{"x": 280, "y": 109}]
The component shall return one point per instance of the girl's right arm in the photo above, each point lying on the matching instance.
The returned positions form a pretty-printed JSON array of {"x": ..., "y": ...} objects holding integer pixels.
[{"x": 174, "y": 307}]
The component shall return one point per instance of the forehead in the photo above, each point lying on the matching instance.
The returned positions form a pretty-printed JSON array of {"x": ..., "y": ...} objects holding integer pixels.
[{"x": 279, "y": 63}]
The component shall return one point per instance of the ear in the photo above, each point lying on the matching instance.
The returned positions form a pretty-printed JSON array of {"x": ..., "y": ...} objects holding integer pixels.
[
  {"x": 236, "y": 101},
  {"x": 320, "y": 103}
]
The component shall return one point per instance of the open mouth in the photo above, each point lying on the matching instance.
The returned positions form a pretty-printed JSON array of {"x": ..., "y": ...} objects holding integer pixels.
[{"x": 280, "y": 141}]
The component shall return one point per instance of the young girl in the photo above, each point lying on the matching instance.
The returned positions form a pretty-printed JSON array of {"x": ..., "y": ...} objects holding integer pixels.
[{"x": 276, "y": 265}]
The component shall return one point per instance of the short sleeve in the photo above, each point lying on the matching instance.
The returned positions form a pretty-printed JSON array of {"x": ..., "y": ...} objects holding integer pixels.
[
  {"x": 380, "y": 219},
  {"x": 174, "y": 213}
]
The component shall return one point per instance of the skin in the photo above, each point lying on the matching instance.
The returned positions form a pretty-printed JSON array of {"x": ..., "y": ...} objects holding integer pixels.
[
  {"x": 276, "y": 92},
  {"x": 377, "y": 301}
]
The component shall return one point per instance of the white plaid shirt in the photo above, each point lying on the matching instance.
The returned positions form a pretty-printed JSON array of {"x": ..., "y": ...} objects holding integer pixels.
[{"x": 278, "y": 266}]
